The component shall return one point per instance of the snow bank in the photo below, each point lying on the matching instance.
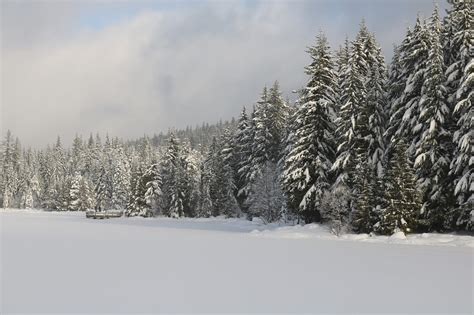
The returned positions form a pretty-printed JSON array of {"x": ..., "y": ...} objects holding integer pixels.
[{"x": 317, "y": 231}]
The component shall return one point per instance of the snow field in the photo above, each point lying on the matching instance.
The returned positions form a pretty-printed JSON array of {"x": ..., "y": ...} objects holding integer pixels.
[{"x": 65, "y": 263}]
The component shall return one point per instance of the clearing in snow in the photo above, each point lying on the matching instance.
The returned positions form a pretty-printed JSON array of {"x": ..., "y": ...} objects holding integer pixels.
[{"x": 63, "y": 262}]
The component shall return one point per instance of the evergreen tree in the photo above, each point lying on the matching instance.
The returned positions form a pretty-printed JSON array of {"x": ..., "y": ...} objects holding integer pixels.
[
  {"x": 103, "y": 190},
  {"x": 221, "y": 187},
  {"x": 137, "y": 204},
  {"x": 277, "y": 121},
  {"x": 267, "y": 202},
  {"x": 228, "y": 173},
  {"x": 153, "y": 184},
  {"x": 341, "y": 69},
  {"x": 79, "y": 194},
  {"x": 269, "y": 121},
  {"x": 47, "y": 179},
  {"x": 352, "y": 123},
  {"x": 243, "y": 149},
  {"x": 204, "y": 207},
  {"x": 398, "y": 77},
  {"x": 414, "y": 61},
  {"x": 457, "y": 41},
  {"x": 366, "y": 204},
  {"x": 77, "y": 156},
  {"x": 434, "y": 146},
  {"x": 307, "y": 166},
  {"x": 120, "y": 173},
  {"x": 30, "y": 193},
  {"x": 8, "y": 176},
  {"x": 172, "y": 174},
  {"x": 61, "y": 179},
  {"x": 262, "y": 142},
  {"x": 462, "y": 166},
  {"x": 459, "y": 74},
  {"x": 402, "y": 199},
  {"x": 214, "y": 166},
  {"x": 191, "y": 161},
  {"x": 92, "y": 160},
  {"x": 377, "y": 104}
]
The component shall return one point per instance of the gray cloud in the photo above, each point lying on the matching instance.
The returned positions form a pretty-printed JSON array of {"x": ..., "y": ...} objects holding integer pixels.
[{"x": 164, "y": 66}]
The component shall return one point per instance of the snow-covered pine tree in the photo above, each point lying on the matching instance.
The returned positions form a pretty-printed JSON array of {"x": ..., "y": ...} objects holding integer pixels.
[
  {"x": 60, "y": 159},
  {"x": 103, "y": 190},
  {"x": 176, "y": 206},
  {"x": 230, "y": 205},
  {"x": 262, "y": 142},
  {"x": 28, "y": 189},
  {"x": 30, "y": 193},
  {"x": 267, "y": 201},
  {"x": 366, "y": 195},
  {"x": 145, "y": 151},
  {"x": 228, "y": 157},
  {"x": 402, "y": 200},
  {"x": 222, "y": 185},
  {"x": 86, "y": 196},
  {"x": 8, "y": 177},
  {"x": 91, "y": 161},
  {"x": 352, "y": 122},
  {"x": 137, "y": 204},
  {"x": 433, "y": 148},
  {"x": 204, "y": 207},
  {"x": 191, "y": 161},
  {"x": 398, "y": 76},
  {"x": 415, "y": 55},
  {"x": 341, "y": 70},
  {"x": 277, "y": 116},
  {"x": 214, "y": 167},
  {"x": 172, "y": 175},
  {"x": 376, "y": 103},
  {"x": 47, "y": 179},
  {"x": 17, "y": 157},
  {"x": 79, "y": 194},
  {"x": 288, "y": 213},
  {"x": 243, "y": 139},
  {"x": 60, "y": 181},
  {"x": 366, "y": 75},
  {"x": 62, "y": 189},
  {"x": 307, "y": 166},
  {"x": 462, "y": 165},
  {"x": 120, "y": 173},
  {"x": 153, "y": 184},
  {"x": 459, "y": 40},
  {"x": 77, "y": 160},
  {"x": 268, "y": 128}
]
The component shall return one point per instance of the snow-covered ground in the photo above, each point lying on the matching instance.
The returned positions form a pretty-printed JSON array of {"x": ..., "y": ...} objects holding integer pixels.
[{"x": 65, "y": 263}]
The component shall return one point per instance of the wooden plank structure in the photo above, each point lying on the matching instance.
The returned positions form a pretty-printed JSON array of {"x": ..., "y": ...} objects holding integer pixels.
[{"x": 107, "y": 214}]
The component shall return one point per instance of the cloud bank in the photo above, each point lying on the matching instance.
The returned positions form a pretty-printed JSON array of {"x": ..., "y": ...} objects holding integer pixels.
[{"x": 143, "y": 67}]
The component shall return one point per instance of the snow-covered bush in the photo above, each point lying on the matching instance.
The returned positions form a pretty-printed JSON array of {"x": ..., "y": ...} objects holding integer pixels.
[{"x": 335, "y": 209}]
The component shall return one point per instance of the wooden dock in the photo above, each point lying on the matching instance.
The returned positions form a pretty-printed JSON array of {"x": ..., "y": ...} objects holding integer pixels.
[{"x": 107, "y": 214}]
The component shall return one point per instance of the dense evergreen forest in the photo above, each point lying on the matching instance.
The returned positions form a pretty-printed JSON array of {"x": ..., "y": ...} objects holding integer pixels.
[{"x": 366, "y": 147}]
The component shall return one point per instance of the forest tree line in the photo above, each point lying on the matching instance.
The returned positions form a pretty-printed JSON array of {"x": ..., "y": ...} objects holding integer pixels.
[{"x": 366, "y": 147}]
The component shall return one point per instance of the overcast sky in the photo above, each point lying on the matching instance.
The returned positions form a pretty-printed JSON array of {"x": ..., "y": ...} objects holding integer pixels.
[{"x": 129, "y": 68}]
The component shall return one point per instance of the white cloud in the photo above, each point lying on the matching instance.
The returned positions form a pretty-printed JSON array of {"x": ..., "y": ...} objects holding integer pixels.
[{"x": 156, "y": 70}]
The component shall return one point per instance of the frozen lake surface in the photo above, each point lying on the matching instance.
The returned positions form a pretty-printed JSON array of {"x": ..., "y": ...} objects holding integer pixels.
[{"x": 65, "y": 263}]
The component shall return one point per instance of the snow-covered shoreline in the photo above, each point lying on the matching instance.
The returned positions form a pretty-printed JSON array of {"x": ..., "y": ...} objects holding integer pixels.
[{"x": 274, "y": 230}]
